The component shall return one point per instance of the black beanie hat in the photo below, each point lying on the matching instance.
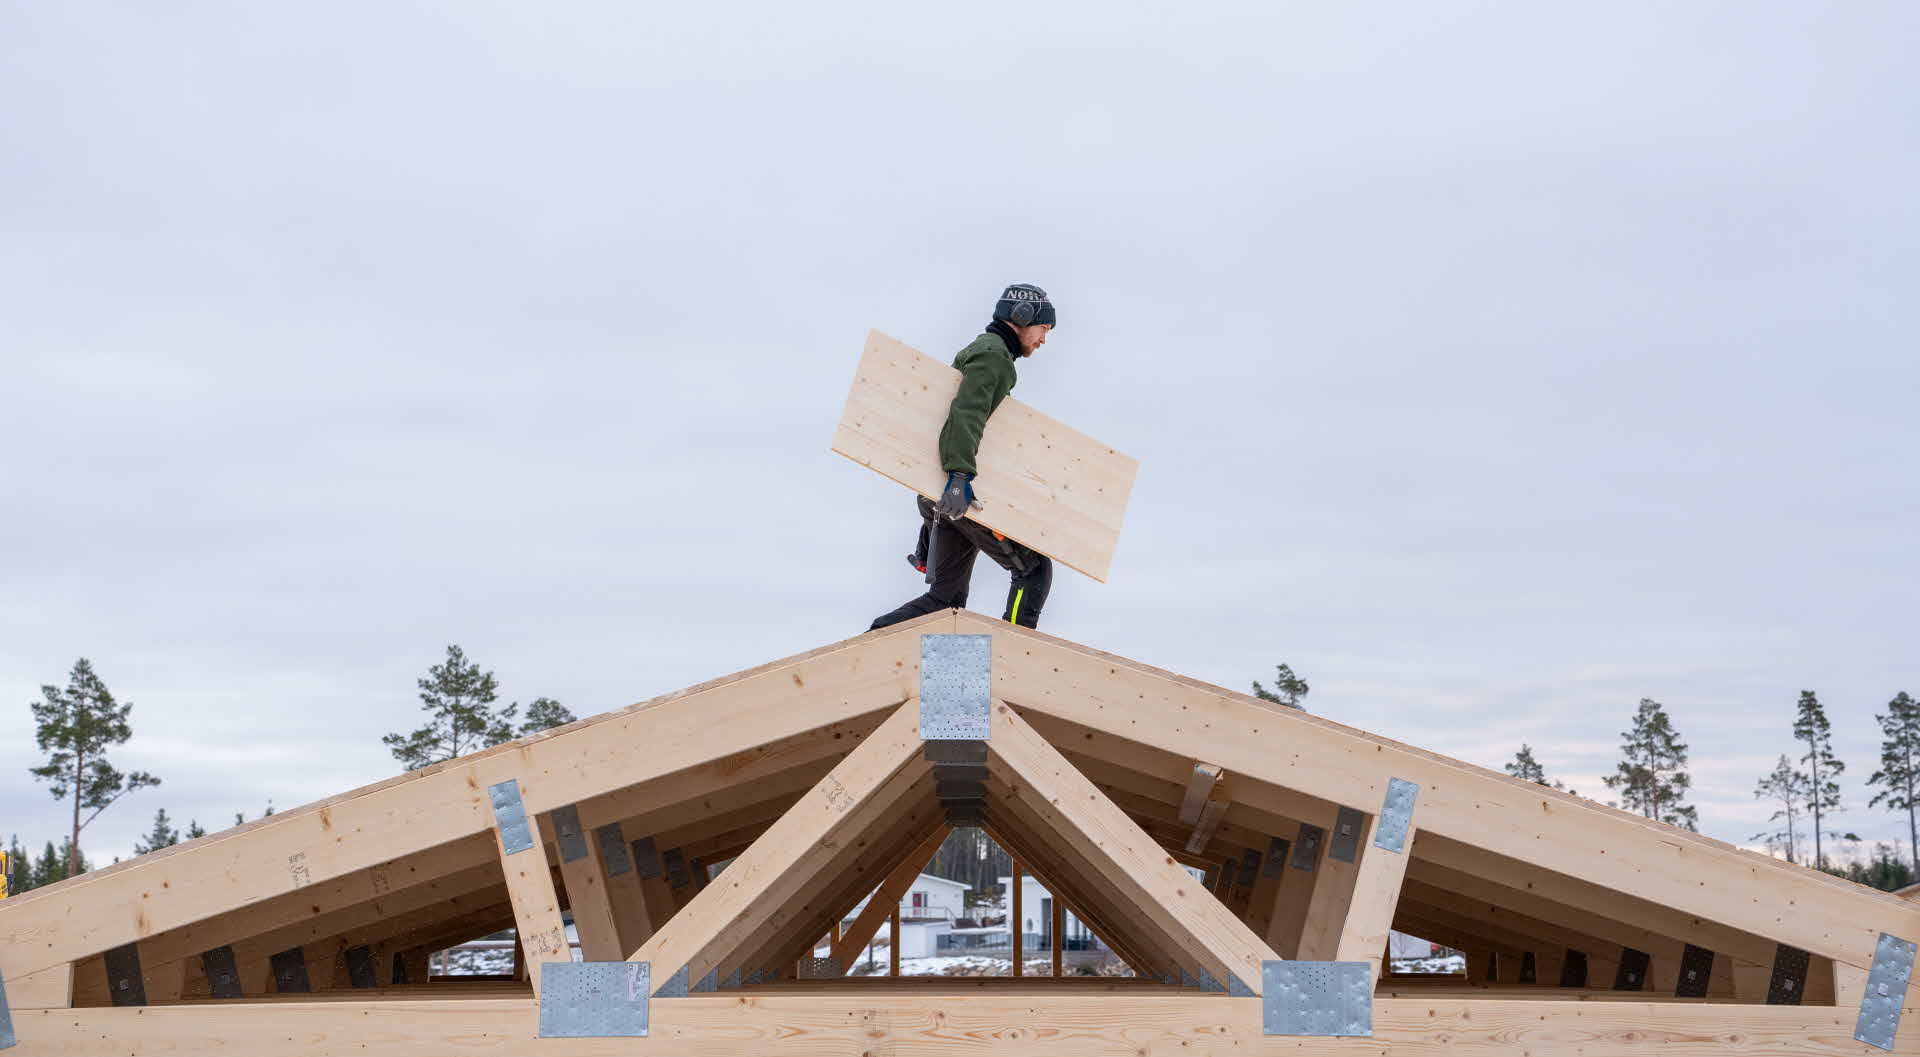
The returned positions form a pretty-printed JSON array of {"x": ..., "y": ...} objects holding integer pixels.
[{"x": 1023, "y": 304}]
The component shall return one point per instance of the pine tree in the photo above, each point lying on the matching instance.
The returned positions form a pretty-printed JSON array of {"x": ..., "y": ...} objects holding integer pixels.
[
  {"x": 1823, "y": 790},
  {"x": 1652, "y": 776},
  {"x": 1788, "y": 788},
  {"x": 74, "y": 727},
  {"x": 1288, "y": 689},
  {"x": 162, "y": 835},
  {"x": 1899, "y": 773},
  {"x": 544, "y": 714},
  {"x": 458, "y": 698},
  {"x": 54, "y": 866}
]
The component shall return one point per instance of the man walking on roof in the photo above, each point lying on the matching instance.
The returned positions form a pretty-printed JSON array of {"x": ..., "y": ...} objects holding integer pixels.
[{"x": 949, "y": 539}]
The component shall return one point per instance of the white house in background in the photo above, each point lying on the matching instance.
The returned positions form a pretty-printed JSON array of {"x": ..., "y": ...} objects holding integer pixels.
[{"x": 930, "y": 898}]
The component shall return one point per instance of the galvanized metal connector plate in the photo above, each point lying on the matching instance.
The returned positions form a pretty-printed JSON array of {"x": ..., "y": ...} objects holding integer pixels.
[
  {"x": 820, "y": 969},
  {"x": 1396, "y": 815},
  {"x": 1573, "y": 970},
  {"x": 1789, "y": 981},
  {"x": 223, "y": 972},
  {"x": 510, "y": 815},
  {"x": 1316, "y": 998},
  {"x": 1631, "y": 975},
  {"x": 290, "y": 972},
  {"x": 646, "y": 859},
  {"x": 1696, "y": 971},
  {"x": 1306, "y": 850},
  {"x": 1348, "y": 824},
  {"x": 1886, "y": 992},
  {"x": 360, "y": 967},
  {"x": 1276, "y": 863},
  {"x": 567, "y": 833},
  {"x": 125, "y": 983},
  {"x": 613, "y": 849},
  {"x": 676, "y": 864},
  {"x": 594, "y": 1000},
  {"x": 956, "y": 685}
]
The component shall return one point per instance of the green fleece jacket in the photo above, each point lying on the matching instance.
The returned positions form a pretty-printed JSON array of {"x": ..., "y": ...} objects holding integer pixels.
[{"x": 987, "y": 375}]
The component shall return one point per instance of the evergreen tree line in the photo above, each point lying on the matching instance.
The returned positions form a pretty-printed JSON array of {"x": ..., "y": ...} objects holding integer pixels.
[
  {"x": 1803, "y": 786},
  {"x": 76, "y": 725}
]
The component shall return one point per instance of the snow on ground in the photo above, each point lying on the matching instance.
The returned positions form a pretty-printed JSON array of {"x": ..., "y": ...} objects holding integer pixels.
[{"x": 1452, "y": 963}]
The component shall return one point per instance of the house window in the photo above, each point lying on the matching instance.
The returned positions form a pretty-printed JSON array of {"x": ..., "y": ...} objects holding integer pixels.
[{"x": 919, "y": 901}]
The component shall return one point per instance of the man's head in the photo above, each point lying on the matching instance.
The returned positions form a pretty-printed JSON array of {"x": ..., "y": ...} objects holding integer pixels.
[{"x": 1026, "y": 309}]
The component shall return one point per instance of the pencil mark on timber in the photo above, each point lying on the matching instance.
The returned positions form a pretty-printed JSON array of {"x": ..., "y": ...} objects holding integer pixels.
[
  {"x": 298, "y": 871},
  {"x": 379, "y": 880},
  {"x": 837, "y": 797}
]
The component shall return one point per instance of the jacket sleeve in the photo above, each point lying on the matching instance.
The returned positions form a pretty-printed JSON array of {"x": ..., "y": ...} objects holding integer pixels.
[{"x": 983, "y": 383}]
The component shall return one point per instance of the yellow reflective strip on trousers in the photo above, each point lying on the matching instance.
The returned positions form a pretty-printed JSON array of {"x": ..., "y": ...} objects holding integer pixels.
[{"x": 1014, "y": 616}]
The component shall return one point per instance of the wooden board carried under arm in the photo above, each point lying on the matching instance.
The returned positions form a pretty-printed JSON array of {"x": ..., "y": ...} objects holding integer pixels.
[{"x": 1042, "y": 483}]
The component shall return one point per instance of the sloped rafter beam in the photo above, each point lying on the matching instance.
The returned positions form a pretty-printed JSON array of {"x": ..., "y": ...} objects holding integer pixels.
[
  {"x": 1084, "y": 816},
  {"x": 792, "y": 850},
  {"x": 1536, "y": 825},
  {"x": 886, "y": 897},
  {"x": 314, "y": 844}
]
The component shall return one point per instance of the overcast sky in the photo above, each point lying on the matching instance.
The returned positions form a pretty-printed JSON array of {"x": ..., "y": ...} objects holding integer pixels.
[{"x": 1494, "y": 365}]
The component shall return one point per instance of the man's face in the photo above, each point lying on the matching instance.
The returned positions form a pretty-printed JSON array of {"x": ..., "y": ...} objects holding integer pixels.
[{"x": 1032, "y": 336}]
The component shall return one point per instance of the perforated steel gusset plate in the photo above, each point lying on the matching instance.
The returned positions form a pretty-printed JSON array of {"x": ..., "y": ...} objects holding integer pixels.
[
  {"x": 819, "y": 969},
  {"x": 223, "y": 973},
  {"x": 1306, "y": 850},
  {"x": 360, "y": 967},
  {"x": 1396, "y": 815},
  {"x": 1696, "y": 970},
  {"x": 956, "y": 684},
  {"x": 676, "y": 864},
  {"x": 567, "y": 833},
  {"x": 510, "y": 815},
  {"x": 290, "y": 972},
  {"x": 589, "y": 1000},
  {"x": 1276, "y": 863},
  {"x": 1632, "y": 973},
  {"x": 1316, "y": 998},
  {"x": 1789, "y": 979},
  {"x": 1347, "y": 827},
  {"x": 1886, "y": 992},
  {"x": 646, "y": 859},
  {"x": 613, "y": 849},
  {"x": 1529, "y": 968},
  {"x": 1573, "y": 971},
  {"x": 124, "y": 980}
]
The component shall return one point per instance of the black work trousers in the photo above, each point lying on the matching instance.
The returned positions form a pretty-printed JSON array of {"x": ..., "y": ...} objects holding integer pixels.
[{"x": 954, "y": 546}]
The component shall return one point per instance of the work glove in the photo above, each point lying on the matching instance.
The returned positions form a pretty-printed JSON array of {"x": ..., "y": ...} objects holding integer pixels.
[{"x": 957, "y": 497}]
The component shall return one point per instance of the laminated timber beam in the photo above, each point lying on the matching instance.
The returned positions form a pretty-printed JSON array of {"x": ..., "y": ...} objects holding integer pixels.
[
  {"x": 311, "y": 845},
  {"x": 726, "y": 914},
  {"x": 779, "y": 1022},
  {"x": 1084, "y": 818},
  {"x": 1555, "y": 830}
]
